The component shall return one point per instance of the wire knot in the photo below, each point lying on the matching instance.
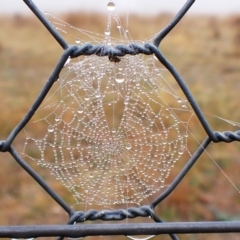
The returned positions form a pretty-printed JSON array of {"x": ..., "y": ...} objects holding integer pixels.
[
  {"x": 4, "y": 146},
  {"x": 118, "y": 50},
  {"x": 106, "y": 215}
]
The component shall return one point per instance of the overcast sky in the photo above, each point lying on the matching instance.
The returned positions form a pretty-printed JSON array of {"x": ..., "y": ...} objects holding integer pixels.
[{"x": 138, "y": 6}]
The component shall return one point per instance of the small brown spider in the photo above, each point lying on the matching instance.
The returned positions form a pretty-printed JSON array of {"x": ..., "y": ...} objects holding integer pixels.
[{"x": 114, "y": 59}]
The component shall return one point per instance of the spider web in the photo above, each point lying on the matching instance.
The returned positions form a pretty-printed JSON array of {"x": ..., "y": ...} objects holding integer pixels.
[{"x": 111, "y": 129}]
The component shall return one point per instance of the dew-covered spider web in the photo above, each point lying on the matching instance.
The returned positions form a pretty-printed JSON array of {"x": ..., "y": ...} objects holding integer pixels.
[{"x": 111, "y": 128}]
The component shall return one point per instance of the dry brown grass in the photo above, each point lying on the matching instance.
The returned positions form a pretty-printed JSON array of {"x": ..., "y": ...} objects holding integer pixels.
[{"x": 205, "y": 50}]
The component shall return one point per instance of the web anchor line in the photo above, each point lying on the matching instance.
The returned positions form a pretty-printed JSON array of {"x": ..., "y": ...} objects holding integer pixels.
[{"x": 121, "y": 214}]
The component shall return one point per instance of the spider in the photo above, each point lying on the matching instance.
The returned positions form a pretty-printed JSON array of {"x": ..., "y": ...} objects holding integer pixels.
[{"x": 114, "y": 59}]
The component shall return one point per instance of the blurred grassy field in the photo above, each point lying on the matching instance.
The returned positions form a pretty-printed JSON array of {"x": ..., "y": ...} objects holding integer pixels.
[{"x": 205, "y": 50}]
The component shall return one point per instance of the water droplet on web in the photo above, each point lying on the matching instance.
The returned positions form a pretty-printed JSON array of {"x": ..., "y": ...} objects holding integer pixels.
[
  {"x": 143, "y": 238},
  {"x": 57, "y": 119},
  {"x": 128, "y": 146},
  {"x": 113, "y": 130},
  {"x": 119, "y": 78},
  {"x": 22, "y": 238},
  {"x": 91, "y": 175},
  {"x": 110, "y": 6},
  {"x": 77, "y": 41},
  {"x": 50, "y": 128},
  {"x": 68, "y": 61},
  {"x": 107, "y": 32},
  {"x": 75, "y": 238},
  {"x": 154, "y": 56},
  {"x": 179, "y": 100},
  {"x": 181, "y": 150}
]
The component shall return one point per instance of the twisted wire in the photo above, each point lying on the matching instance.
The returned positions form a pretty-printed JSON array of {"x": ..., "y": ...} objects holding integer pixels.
[
  {"x": 118, "y": 50},
  {"x": 227, "y": 136},
  {"x": 107, "y": 215}
]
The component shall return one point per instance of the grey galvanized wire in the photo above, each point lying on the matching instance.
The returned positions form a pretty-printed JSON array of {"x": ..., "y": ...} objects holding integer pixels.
[{"x": 159, "y": 227}]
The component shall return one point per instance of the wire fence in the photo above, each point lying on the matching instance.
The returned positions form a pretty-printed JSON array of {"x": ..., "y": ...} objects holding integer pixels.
[{"x": 73, "y": 230}]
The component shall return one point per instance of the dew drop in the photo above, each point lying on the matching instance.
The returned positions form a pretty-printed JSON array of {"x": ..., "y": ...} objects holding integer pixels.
[
  {"x": 119, "y": 78},
  {"x": 179, "y": 100},
  {"x": 154, "y": 56},
  {"x": 128, "y": 146},
  {"x": 107, "y": 32},
  {"x": 181, "y": 150},
  {"x": 113, "y": 130},
  {"x": 77, "y": 41},
  {"x": 68, "y": 61},
  {"x": 91, "y": 175},
  {"x": 22, "y": 238},
  {"x": 51, "y": 128},
  {"x": 75, "y": 238},
  {"x": 57, "y": 119},
  {"x": 110, "y": 6}
]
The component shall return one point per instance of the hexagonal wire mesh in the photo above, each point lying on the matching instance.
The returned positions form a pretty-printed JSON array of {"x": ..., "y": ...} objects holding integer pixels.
[{"x": 159, "y": 227}]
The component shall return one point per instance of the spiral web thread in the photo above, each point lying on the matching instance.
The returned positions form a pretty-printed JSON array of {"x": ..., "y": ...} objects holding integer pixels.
[{"x": 112, "y": 128}]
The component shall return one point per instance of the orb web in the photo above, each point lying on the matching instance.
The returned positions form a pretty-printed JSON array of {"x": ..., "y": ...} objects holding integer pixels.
[{"x": 110, "y": 130}]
